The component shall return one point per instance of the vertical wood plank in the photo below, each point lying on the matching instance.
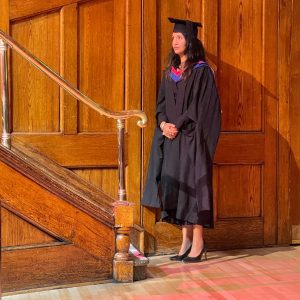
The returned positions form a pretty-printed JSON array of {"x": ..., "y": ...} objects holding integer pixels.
[
  {"x": 105, "y": 179},
  {"x": 149, "y": 87},
  {"x": 285, "y": 20},
  {"x": 68, "y": 67},
  {"x": 270, "y": 84},
  {"x": 295, "y": 122},
  {"x": 133, "y": 86},
  {"x": 15, "y": 231},
  {"x": 118, "y": 54},
  {"x": 101, "y": 60},
  {"x": 35, "y": 97},
  {"x": 209, "y": 32},
  {"x": 4, "y": 15},
  {"x": 246, "y": 181},
  {"x": 240, "y": 64}
]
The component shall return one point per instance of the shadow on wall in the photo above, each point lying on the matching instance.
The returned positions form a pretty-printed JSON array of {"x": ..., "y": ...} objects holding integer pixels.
[{"x": 294, "y": 176}]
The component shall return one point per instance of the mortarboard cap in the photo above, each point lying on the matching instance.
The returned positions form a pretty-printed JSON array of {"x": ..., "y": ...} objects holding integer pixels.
[{"x": 186, "y": 27}]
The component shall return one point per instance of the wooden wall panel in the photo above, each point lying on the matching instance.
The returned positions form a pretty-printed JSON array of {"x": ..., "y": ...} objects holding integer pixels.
[
  {"x": 75, "y": 151},
  {"x": 35, "y": 98},
  {"x": 149, "y": 92},
  {"x": 295, "y": 121},
  {"x": 68, "y": 67},
  {"x": 15, "y": 231},
  {"x": 4, "y": 20},
  {"x": 20, "y": 9},
  {"x": 101, "y": 59},
  {"x": 89, "y": 52},
  {"x": 51, "y": 266},
  {"x": 284, "y": 151},
  {"x": 239, "y": 191},
  {"x": 133, "y": 86},
  {"x": 106, "y": 179},
  {"x": 270, "y": 85},
  {"x": 240, "y": 55}
]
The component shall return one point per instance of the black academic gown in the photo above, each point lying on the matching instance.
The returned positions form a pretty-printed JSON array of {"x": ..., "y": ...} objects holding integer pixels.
[{"x": 179, "y": 179}]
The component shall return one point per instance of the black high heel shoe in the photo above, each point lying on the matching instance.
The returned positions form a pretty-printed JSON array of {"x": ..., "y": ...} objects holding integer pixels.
[
  {"x": 181, "y": 257},
  {"x": 189, "y": 259}
]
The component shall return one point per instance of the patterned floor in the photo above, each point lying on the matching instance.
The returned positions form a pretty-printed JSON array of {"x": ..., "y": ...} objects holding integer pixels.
[{"x": 266, "y": 273}]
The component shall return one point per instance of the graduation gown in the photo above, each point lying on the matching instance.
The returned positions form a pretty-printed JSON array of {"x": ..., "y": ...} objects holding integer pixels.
[{"x": 179, "y": 179}]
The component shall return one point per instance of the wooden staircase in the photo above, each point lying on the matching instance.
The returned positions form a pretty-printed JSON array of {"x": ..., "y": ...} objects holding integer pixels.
[{"x": 58, "y": 229}]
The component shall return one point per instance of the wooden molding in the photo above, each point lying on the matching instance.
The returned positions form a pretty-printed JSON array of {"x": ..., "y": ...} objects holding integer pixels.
[
  {"x": 35, "y": 7},
  {"x": 250, "y": 148},
  {"x": 149, "y": 89},
  {"x": 89, "y": 148},
  {"x": 68, "y": 67},
  {"x": 283, "y": 178}
]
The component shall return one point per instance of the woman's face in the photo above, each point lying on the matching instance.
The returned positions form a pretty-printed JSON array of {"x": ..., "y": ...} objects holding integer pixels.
[{"x": 178, "y": 43}]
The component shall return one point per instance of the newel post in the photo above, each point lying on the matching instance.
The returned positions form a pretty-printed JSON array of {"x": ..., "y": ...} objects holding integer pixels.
[{"x": 123, "y": 211}]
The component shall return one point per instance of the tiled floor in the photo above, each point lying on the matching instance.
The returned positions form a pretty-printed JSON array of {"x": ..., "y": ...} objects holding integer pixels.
[{"x": 266, "y": 273}]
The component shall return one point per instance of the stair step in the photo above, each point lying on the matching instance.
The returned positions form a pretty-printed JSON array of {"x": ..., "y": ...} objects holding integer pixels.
[{"x": 140, "y": 263}]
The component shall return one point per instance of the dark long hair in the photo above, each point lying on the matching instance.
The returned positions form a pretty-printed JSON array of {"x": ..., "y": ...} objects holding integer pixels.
[{"x": 194, "y": 52}]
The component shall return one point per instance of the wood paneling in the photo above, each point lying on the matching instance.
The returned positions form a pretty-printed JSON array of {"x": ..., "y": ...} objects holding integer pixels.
[
  {"x": 99, "y": 58},
  {"x": 4, "y": 20},
  {"x": 295, "y": 121},
  {"x": 149, "y": 92},
  {"x": 240, "y": 148},
  {"x": 90, "y": 53},
  {"x": 68, "y": 67},
  {"x": 106, "y": 179},
  {"x": 35, "y": 97},
  {"x": 74, "y": 151},
  {"x": 133, "y": 86},
  {"x": 51, "y": 266},
  {"x": 20, "y": 9},
  {"x": 15, "y": 231},
  {"x": 209, "y": 31},
  {"x": 245, "y": 199},
  {"x": 270, "y": 83},
  {"x": 240, "y": 58},
  {"x": 284, "y": 152},
  {"x": 62, "y": 219}
]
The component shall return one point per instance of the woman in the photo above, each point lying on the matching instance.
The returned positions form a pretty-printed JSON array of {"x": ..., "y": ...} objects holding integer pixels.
[{"x": 188, "y": 125}]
